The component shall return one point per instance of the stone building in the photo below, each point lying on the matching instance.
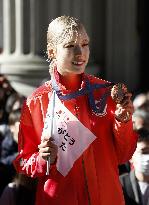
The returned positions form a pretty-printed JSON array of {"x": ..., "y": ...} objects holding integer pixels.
[{"x": 111, "y": 24}]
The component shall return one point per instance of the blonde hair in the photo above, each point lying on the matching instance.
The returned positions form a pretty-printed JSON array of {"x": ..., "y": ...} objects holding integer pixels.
[{"x": 60, "y": 29}]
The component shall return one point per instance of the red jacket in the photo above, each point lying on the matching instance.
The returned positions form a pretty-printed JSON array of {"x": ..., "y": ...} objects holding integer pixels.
[{"x": 94, "y": 177}]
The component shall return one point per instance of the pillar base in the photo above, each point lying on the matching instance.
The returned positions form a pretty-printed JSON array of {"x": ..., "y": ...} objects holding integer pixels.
[{"x": 25, "y": 72}]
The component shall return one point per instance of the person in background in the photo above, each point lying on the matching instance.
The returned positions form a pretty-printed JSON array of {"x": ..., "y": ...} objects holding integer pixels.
[
  {"x": 9, "y": 149},
  {"x": 98, "y": 128},
  {"x": 5, "y": 91},
  {"x": 14, "y": 186},
  {"x": 140, "y": 119},
  {"x": 136, "y": 183},
  {"x": 141, "y": 101},
  {"x": 21, "y": 191}
]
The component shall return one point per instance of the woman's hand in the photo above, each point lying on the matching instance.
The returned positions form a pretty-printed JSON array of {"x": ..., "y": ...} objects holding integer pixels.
[
  {"x": 47, "y": 148},
  {"x": 124, "y": 109}
]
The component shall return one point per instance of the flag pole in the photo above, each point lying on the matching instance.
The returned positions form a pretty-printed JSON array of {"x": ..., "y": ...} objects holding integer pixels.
[{"x": 52, "y": 117}]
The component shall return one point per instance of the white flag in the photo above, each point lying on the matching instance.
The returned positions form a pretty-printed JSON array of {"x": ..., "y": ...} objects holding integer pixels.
[{"x": 70, "y": 135}]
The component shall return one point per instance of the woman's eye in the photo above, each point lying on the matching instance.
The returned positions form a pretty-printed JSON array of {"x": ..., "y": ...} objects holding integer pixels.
[{"x": 69, "y": 46}]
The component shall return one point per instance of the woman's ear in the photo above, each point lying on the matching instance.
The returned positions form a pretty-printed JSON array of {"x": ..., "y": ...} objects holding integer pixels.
[{"x": 51, "y": 53}]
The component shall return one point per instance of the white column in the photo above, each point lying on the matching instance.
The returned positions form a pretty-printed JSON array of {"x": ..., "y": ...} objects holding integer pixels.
[
  {"x": 53, "y": 8},
  {"x": 6, "y": 27},
  {"x": 122, "y": 43},
  {"x": 32, "y": 27},
  {"x": 24, "y": 71},
  {"x": 19, "y": 26}
]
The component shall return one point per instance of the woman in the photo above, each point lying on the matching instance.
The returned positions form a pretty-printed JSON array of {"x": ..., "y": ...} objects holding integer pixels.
[{"x": 93, "y": 178}]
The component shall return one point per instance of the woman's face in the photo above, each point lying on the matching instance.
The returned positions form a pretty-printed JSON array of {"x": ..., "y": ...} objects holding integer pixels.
[{"x": 72, "y": 55}]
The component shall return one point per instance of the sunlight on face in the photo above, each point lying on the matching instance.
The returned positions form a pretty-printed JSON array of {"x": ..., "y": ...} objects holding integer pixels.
[
  {"x": 67, "y": 45},
  {"x": 73, "y": 53},
  {"x": 142, "y": 148}
]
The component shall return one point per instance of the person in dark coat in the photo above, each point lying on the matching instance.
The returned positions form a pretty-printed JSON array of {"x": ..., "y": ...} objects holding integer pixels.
[
  {"x": 9, "y": 150},
  {"x": 136, "y": 183}
]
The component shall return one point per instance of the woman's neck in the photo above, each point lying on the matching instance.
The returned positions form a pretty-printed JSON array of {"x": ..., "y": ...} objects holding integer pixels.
[{"x": 71, "y": 82}]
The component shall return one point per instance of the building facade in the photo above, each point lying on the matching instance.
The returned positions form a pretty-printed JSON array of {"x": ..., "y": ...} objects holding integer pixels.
[{"x": 111, "y": 25}]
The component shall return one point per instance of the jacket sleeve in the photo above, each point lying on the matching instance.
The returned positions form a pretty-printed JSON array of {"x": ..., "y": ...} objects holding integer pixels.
[
  {"x": 28, "y": 161},
  {"x": 125, "y": 140}
]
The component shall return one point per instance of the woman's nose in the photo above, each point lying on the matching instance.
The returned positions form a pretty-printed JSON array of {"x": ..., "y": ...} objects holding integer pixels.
[{"x": 78, "y": 50}]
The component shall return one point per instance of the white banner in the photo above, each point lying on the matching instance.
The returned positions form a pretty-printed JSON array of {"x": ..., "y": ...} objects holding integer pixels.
[{"x": 70, "y": 135}]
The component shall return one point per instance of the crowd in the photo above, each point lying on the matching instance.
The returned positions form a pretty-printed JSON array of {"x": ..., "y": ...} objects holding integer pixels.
[
  {"x": 134, "y": 175},
  {"x": 13, "y": 186},
  {"x": 135, "y": 182}
]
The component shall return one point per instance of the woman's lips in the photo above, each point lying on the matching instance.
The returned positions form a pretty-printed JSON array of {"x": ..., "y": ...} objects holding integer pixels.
[{"x": 78, "y": 63}]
